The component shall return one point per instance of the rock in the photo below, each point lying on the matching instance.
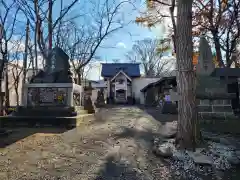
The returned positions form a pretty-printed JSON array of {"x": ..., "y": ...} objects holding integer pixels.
[
  {"x": 169, "y": 130},
  {"x": 224, "y": 141},
  {"x": 201, "y": 159},
  {"x": 225, "y": 152},
  {"x": 156, "y": 141},
  {"x": 165, "y": 150},
  {"x": 233, "y": 160},
  {"x": 177, "y": 173},
  {"x": 199, "y": 150},
  {"x": 171, "y": 141},
  {"x": 238, "y": 154},
  {"x": 221, "y": 163},
  {"x": 179, "y": 155}
]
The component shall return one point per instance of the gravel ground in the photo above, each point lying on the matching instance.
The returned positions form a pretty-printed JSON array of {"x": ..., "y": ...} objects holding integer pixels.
[{"x": 116, "y": 146}]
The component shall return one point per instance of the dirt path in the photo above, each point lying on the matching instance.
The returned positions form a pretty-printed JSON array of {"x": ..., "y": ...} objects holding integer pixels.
[{"x": 114, "y": 147}]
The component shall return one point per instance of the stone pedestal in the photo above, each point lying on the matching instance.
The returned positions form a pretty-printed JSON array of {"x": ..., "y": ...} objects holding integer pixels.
[
  {"x": 52, "y": 94},
  {"x": 219, "y": 109},
  {"x": 51, "y": 99},
  {"x": 214, "y": 101}
]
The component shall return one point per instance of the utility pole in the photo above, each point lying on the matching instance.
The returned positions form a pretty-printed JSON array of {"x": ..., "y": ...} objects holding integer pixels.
[{"x": 25, "y": 59}]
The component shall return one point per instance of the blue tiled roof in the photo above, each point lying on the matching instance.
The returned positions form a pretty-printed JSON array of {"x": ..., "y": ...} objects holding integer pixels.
[{"x": 111, "y": 69}]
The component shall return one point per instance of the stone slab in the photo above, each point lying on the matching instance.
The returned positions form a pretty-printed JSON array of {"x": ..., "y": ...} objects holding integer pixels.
[
  {"x": 222, "y": 108},
  {"x": 70, "y": 85},
  {"x": 217, "y": 116},
  {"x": 16, "y": 121},
  {"x": 53, "y": 111},
  {"x": 204, "y": 108}
]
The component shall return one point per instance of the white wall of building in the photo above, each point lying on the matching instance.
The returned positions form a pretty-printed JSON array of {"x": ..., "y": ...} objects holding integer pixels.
[
  {"x": 140, "y": 83},
  {"x": 14, "y": 86}
]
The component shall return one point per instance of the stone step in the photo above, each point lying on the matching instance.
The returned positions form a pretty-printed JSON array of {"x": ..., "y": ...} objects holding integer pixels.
[
  {"x": 218, "y": 115},
  {"x": 46, "y": 121}
]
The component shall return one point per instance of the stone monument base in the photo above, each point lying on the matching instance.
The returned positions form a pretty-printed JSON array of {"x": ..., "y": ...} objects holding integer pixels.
[
  {"x": 215, "y": 109},
  {"x": 49, "y": 111},
  {"x": 54, "y": 122},
  {"x": 49, "y": 104},
  {"x": 52, "y": 94}
]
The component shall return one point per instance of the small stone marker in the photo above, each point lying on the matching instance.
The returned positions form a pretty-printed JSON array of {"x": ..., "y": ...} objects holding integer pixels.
[
  {"x": 207, "y": 86},
  {"x": 205, "y": 64},
  {"x": 56, "y": 70}
]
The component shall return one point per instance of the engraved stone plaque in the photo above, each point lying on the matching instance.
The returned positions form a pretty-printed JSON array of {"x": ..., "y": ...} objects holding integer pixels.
[{"x": 47, "y": 96}]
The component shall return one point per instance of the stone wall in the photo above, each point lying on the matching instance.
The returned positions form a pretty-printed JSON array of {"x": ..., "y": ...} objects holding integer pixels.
[{"x": 215, "y": 108}]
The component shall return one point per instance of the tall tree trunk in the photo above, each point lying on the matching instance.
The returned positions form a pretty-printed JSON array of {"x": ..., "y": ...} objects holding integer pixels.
[
  {"x": 5, "y": 100},
  {"x": 218, "y": 49},
  {"x": 25, "y": 60},
  {"x": 17, "y": 94},
  {"x": 35, "y": 64},
  {"x": 187, "y": 115},
  {"x": 79, "y": 78},
  {"x": 50, "y": 26},
  {"x": 7, "y": 103},
  {"x": 1, "y": 67}
]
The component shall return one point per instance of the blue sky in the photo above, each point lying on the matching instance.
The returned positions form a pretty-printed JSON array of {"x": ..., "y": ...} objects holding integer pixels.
[
  {"x": 119, "y": 43},
  {"x": 123, "y": 40},
  {"x": 116, "y": 45}
]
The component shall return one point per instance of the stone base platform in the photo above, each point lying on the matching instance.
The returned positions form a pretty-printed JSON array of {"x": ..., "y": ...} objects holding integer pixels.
[
  {"x": 46, "y": 121},
  {"x": 215, "y": 109},
  {"x": 217, "y": 116},
  {"x": 50, "y": 111}
]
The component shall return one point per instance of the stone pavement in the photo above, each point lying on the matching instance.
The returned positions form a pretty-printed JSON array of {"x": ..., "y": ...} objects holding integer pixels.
[{"x": 116, "y": 146}]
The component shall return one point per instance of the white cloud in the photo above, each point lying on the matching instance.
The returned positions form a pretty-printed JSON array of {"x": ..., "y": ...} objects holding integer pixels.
[{"x": 121, "y": 45}]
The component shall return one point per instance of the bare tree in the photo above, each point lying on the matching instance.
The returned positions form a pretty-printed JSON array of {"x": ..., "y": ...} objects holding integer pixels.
[
  {"x": 230, "y": 27},
  {"x": 39, "y": 12},
  {"x": 149, "y": 53},
  {"x": 18, "y": 65},
  {"x": 8, "y": 15},
  {"x": 16, "y": 76},
  {"x": 81, "y": 42},
  {"x": 159, "y": 12}
]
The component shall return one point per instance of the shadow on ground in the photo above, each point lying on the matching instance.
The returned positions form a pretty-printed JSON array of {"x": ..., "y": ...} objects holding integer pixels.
[
  {"x": 152, "y": 168},
  {"x": 16, "y": 134},
  {"x": 115, "y": 169},
  {"x": 156, "y": 113},
  {"x": 146, "y": 136},
  {"x": 103, "y": 114}
]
